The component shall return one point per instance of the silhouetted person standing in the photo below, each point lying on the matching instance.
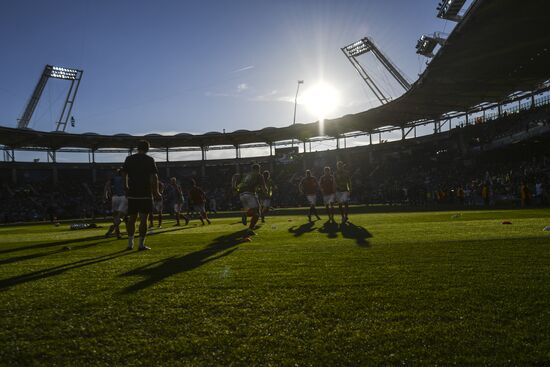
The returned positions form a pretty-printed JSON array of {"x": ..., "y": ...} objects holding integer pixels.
[{"x": 141, "y": 183}]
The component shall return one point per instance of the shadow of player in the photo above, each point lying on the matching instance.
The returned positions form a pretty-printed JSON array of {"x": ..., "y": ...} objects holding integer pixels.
[
  {"x": 330, "y": 229},
  {"x": 55, "y": 243},
  {"x": 43, "y": 254},
  {"x": 303, "y": 229},
  {"x": 358, "y": 233},
  {"x": 60, "y": 269},
  {"x": 157, "y": 271}
]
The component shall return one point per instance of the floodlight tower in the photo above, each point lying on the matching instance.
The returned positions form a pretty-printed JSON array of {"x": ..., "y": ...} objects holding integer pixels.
[
  {"x": 364, "y": 46},
  {"x": 55, "y": 72},
  {"x": 427, "y": 43},
  {"x": 449, "y": 9}
]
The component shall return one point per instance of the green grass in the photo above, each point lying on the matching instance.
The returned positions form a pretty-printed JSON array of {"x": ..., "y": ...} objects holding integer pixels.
[{"x": 391, "y": 289}]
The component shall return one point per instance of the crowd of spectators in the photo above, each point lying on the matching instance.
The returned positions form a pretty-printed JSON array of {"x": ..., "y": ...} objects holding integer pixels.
[{"x": 443, "y": 174}]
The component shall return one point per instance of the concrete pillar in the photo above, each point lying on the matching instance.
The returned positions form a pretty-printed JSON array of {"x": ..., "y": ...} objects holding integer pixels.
[
  {"x": 14, "y": 176},
  {"x": 271, "y": 149},
  {"x": 370, "y": 138},
  {"x": 94, "y": 174}
]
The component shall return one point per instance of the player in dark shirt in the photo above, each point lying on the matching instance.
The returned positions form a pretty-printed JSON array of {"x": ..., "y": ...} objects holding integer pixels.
[
  {"x": 141, "y": 184},
  {"x": 197, "y": 198},
  {"x": 309, "y": 187}
]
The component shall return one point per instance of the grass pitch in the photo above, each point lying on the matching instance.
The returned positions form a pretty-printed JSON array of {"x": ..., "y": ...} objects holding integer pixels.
[{"x": 399, "y": 288}]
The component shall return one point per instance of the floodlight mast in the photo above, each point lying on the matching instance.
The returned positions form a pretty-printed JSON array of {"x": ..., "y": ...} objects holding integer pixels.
[
  {"x": 427, "y": 43},
  {"x": 449, "y": 9},
  {"x": 366, "y": 45},
  {"x": 55, "y": 72}
]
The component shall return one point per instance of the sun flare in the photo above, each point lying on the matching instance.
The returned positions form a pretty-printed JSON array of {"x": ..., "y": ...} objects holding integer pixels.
[{"x": 321, "y": 99}]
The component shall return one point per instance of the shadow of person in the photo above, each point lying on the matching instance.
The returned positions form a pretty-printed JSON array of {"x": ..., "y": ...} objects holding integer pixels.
[
  {"x": 57, "y": 270},
  {"x": 303, "y": 229},
  {"x": 55, "y": 243},
  {"x": 43, "y": 254},
  {"x": 359, "y": 233},
  {"x": 157, "y": 271},
  {"x": 330, "y": 229}
]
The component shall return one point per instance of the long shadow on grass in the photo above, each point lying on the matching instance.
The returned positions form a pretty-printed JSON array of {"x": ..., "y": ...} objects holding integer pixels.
[
  {"x": 160, "y": 270},
  {"x": 303, "y": 229},
  {"x": 43, "y": 254},
  {"x": 52, "y": 244},
  {"x": 330, "y": 229},
  {"x": 358, "y": 233},
  {"x": 60, "y": 269},
  {"x": 78, "y": 240},
  {"x": 349, "y": 230}
]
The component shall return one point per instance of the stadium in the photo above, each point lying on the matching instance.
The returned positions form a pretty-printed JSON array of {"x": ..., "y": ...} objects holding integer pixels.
[{"x": 443, "y": 260}]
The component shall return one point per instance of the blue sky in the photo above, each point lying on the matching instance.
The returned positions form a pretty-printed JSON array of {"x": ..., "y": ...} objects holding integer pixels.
[{"x": 198, "y": 66}]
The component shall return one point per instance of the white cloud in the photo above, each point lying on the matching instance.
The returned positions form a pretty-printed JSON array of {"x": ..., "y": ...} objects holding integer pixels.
[{"x": 242, "y": 87}]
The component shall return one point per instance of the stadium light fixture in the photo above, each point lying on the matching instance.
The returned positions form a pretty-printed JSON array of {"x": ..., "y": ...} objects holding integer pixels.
[
  {"x": 56, "y": 72},
  {"x": 449, "y": 9},
  {"x": 427, "y": 44},
  {"x": 363, "y": 46}
]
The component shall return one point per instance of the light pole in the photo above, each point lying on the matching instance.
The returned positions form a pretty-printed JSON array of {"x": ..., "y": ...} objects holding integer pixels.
[
  {"x": 295, "y": 105},
  {"x": 296, "y": 100}
]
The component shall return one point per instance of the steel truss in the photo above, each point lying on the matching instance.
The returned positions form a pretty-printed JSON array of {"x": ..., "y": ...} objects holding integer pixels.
[
  {"x": 55, "y": 72},
  {"x": 363, "y": 46}
]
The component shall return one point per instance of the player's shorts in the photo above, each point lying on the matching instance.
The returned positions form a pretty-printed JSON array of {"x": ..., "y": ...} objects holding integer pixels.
[
  {"x": 199, "y": 208},
  {"x": 328, "y": 199},
  {"x": 158, "y": 205},
  {"x": 119, "y": 204},
  {"x": 266, "y": 203},
  {"x": 140, "y": 205},
  {"x": 342, "y": 196},
  {"x": 249, "y": 201},
  {"x": 311, "y": 199}
]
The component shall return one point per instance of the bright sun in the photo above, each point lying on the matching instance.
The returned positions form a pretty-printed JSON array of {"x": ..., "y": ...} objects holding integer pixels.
[{"x": 321, "y": 99}]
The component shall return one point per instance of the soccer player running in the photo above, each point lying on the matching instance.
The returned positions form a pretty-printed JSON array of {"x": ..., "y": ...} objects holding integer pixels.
[
  {"x": 157, "y": 207},
  {"x": 197, "y": 197},
  {"x": 175, "y": 198},
  {"x": 265, "y": 196},
  {"x": 309, "y": 187},
  {"x": 114, "y": 191},
  {"x": 343, "y": 189},
  {"x": 141, "y": 185},
  {"x": 328, "y": 189},
  {"x": 251, "y": 183}
]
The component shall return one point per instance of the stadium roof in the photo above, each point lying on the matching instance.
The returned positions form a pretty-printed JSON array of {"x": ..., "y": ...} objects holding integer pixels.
[{"x": 500, "y": 47}]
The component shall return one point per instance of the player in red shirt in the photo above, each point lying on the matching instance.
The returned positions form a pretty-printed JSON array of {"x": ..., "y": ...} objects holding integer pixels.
[
  {"x": 309, "y": 187},
  {"x": 197, "y": 198},
  {"x": 328, "y": 189}
]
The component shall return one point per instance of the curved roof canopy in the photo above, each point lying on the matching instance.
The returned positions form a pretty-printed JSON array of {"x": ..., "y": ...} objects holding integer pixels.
[{"x": 498, "y": 48}]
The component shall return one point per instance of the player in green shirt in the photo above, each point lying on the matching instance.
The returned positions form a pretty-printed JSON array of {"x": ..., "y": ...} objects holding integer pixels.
[
  {"x": 251, "y": 183},
  {"x": 265, "y": 196}
]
